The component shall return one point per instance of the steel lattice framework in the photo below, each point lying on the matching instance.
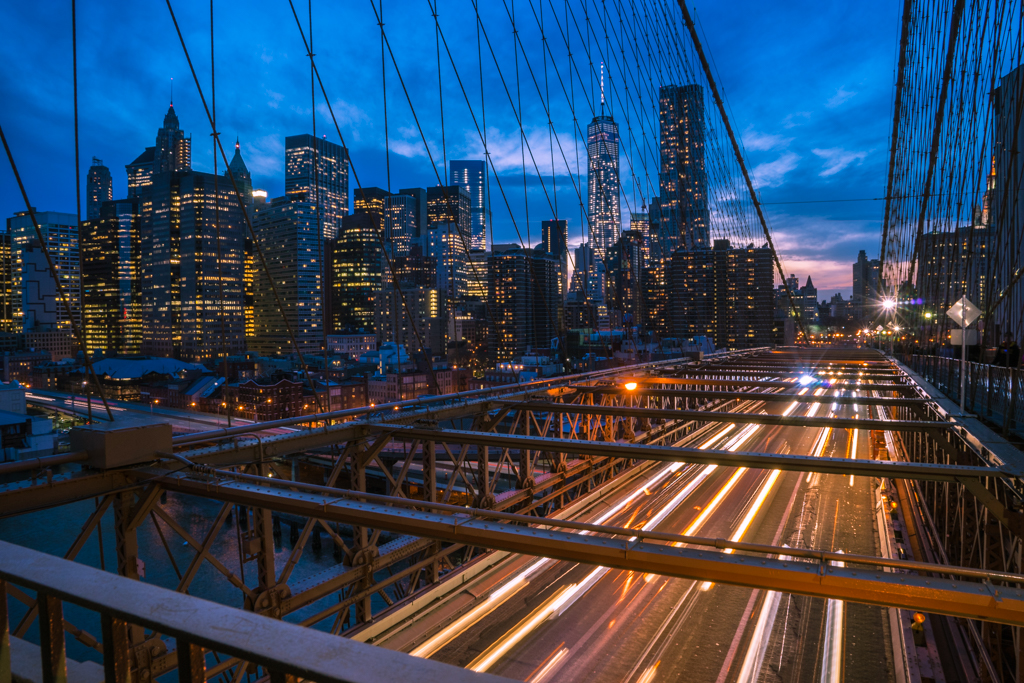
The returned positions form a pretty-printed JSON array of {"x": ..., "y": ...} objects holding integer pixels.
[{"x": 408, "y": 493}]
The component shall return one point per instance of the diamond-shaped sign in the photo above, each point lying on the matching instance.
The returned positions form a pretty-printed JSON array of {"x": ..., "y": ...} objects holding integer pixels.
[
  {"x": 963, "y": 312},
  {"x": 879, "y": 328}
]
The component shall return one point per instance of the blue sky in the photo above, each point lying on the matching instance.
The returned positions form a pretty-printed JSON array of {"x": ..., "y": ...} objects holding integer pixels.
[{"x": 808, "y": 86}]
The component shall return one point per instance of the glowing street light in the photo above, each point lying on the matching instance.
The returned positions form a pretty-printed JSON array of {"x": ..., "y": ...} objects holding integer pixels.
[
  {"x": 630, "y": 386},
  {"x": 888, "y": 304}
]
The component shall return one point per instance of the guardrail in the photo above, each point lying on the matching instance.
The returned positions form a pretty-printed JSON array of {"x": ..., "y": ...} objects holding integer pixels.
[
  {"x": 992, "y": 392},
  {"x": 285, "y": 651}
]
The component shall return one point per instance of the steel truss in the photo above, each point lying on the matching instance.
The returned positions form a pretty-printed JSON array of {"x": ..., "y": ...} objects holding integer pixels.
[{"x": 389, "y": 491}]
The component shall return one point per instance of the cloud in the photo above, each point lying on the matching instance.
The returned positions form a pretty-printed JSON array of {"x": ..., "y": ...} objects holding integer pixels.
[
  {"x": 754, "y": 141},
  {"x": 772, "y": 173},
  {"x": 842, "y": 95},
  {"x": 506, "y": 154},
  {"x": 837, "y": 158},
  {"x": 275, "y": 99},
  {"x": 797, "y": 118},
  {"x": 264, "y": 156},
  {"x": 828, "y": 261}
]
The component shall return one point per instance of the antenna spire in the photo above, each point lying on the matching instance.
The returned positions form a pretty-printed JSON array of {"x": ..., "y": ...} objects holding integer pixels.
[
  {"x": 602, "y": 88},
  {"x": 172, "y": 91}
]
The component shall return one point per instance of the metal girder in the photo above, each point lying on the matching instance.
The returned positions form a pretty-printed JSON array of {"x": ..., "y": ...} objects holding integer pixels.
[
  {"x": 727, "y": 370},
  {"x": 27, "y": 496},
  {"x": 764, "y": 384},
  {"x": 816, "y": 579},
  {"x": 799, "y": 463},
  {"x": 739, "y": 418},
  {"x": 747, "y": 396},
  {"x": 281, "y": 647}
]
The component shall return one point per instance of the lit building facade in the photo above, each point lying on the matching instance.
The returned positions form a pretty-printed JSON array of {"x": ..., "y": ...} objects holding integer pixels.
[
  {"x": 324, "y": 182},
  {"x": 286, "y": 231},
  {"x": 722, "y": 293},
  {"x": 354, "y": 274},
  {"x": 99, "y": 188},
  {"x": 60, "y": 235},
  {"x": 866, "y": 285},
  {"x": 685, "y": 219},
  {"x": 449, "y": 238},
  {"x": 554, "y": 240},
  {"x": 10, "y": 266},
  {"x": 524, "y": 303},
  {"x": 1005, "y": 206},
  {"x": 471, "y": 174},
  {"x": 625, "y": 267},
  {"x": 111, "y": 282},
  {"x": 193, "y": 250},
  {"x": 603, "y": 184},
  {"x": 171, "y": 153}
]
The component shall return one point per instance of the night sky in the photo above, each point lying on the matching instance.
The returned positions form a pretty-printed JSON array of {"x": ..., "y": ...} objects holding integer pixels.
[{"x": 809, "y": 86}]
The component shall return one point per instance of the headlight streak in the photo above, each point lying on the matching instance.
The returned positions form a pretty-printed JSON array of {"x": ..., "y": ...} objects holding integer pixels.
[
  {"x": 550, "y": 666},
  {"x": 492, "y": 654},
  {"x": 512, "y": 586},
  {"x": 737, "y": 535}
]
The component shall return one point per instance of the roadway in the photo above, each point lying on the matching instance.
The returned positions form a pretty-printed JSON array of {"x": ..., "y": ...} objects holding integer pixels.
[
  {"x": 181, "y": 421},
  {"x": 567, "y": 622}
]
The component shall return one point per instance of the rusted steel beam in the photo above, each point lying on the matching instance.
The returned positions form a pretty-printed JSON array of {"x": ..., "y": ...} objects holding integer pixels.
[
  {"x": 748, "y": 396},
  {"x": 800, "y": 463},
  {"x": 855, "y": 583},
  {"x": 740, "y": 418}
]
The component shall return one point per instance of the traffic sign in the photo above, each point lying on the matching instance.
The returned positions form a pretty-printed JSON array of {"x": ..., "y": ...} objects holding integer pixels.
[{"x": 963, "y": 312}]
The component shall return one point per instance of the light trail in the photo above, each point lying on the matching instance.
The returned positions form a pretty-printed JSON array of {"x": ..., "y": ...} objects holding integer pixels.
[
  {"x": 832, "y": 656},
  {"x": 550, "y": 666},
  {"x": 520, "y": 580},
  {"x": 737, "y": 535},
  {"x": 492, "y": 654}
]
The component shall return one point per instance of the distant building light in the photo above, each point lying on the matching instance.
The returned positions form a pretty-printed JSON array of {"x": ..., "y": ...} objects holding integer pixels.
[{"x": 262, "y": 194}]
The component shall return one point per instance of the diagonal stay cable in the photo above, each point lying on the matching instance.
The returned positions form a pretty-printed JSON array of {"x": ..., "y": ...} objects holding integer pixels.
[{"x": 78, "y": 203}]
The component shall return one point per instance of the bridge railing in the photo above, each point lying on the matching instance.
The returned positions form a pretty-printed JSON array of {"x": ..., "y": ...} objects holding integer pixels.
[
  {"x": 284, "y": 652},
  {"x": 992, "y": 392}
]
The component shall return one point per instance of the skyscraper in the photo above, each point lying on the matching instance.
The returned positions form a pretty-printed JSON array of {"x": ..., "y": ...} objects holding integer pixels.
[
  {"x": 329, "y": 176},
  {"x": 625, "y": 265},
  {"x": 111, "y": 284},
  {"x": 192, "y": 267},
  {"x": 286, "y": 231},
  {"x": 683, "y": 181},
  {"x": 448, "y": 238},
  {"x": 171, "y": 153},
  {"x": 60, "y": 234},
  {"x": 523, "y": 300},
  {"x": 1006, "y": 204},
  {"x": 554, "y": 237},
  {"x": 472, "y": 175},
  {"x": 722, "y": 293},
  {"x": 399, "y": 224},
  {"x": 419, "y": 196},
  {"x": 603, "y": 183},
  {"x": 354, "y": 273},
  {"x": 866, "y": 284},
  {"x": 242, "y": 177},
  {"x": 10, "y": 265},
  {"x": 99, "y": 188}
]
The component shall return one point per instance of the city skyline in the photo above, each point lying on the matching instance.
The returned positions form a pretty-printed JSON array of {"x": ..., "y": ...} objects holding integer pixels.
[{"x": 783, "y": 134}]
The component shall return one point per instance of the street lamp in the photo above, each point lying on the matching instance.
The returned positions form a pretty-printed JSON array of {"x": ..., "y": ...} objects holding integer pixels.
[
  {"x": 630, "y": 386},
  {"x": 889, "y": 304}
]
